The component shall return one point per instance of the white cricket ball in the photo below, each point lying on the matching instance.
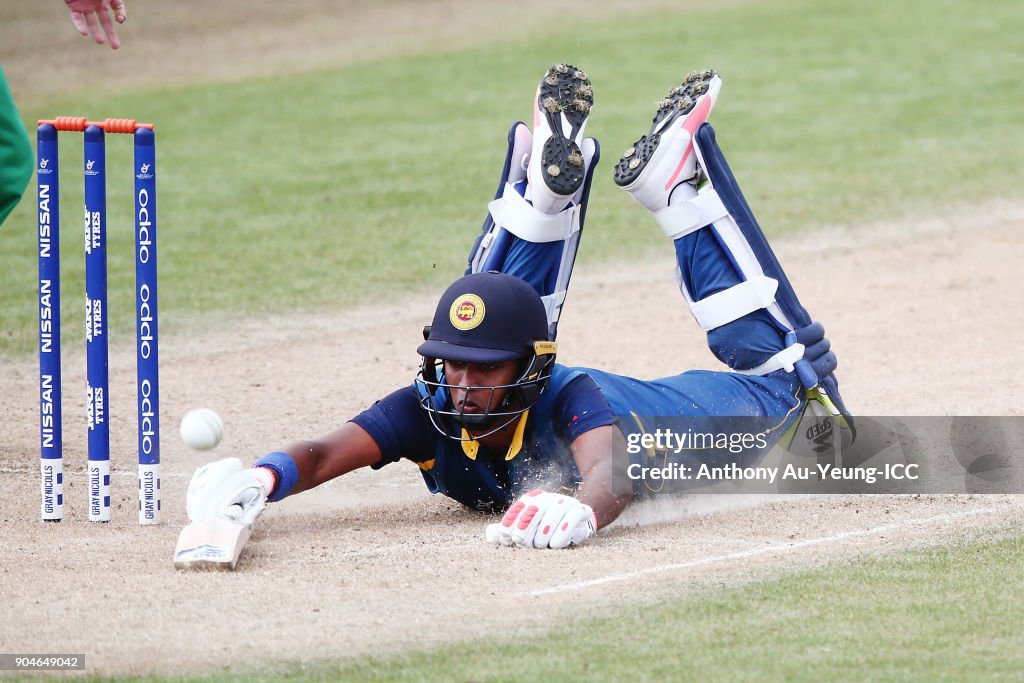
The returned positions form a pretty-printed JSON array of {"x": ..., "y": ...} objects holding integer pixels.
[{"x": 201, "y": 429}]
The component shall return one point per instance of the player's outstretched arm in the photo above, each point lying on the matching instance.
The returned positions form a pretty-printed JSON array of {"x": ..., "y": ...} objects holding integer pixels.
[
  {"x": 603, "y": 487},
  {"x": 338, "y": 453},
  {"x": 219, "y": 488}
]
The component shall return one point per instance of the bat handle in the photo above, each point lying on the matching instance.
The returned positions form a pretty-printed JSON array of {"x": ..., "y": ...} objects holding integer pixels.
[{"x": 234, "y": 512}]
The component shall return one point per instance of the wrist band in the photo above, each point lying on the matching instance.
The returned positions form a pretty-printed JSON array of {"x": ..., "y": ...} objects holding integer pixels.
[{"x": 287, "y": 473}]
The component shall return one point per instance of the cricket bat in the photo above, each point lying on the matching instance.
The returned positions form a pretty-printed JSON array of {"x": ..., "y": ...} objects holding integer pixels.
[{"x": 214, "y": 543}]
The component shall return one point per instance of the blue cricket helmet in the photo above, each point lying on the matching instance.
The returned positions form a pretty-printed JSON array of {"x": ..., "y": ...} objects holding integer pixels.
[{"x": 485, "y": 318}]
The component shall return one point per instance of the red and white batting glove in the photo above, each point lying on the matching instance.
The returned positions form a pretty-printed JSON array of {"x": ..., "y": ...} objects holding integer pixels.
[{"x": 544, "y": 520}]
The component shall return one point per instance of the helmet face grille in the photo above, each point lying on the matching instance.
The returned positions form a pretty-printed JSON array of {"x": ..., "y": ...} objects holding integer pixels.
[
  {"x": 449, "y": 421},
  {"x": 485, "y": 318}
]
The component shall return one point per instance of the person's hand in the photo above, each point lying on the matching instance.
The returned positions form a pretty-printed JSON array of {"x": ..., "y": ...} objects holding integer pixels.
[
  {"x": 92, "y": 17},
  {"x": 544, "y": 520},
  {"x": 227, "y": 489}
]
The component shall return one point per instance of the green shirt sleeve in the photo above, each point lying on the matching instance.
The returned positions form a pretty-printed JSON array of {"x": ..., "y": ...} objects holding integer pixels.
[{"x": 16, "y": 159}]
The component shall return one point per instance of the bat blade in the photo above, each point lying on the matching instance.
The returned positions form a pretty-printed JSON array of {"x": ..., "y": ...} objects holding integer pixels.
[{"x": 215, "y": 543}]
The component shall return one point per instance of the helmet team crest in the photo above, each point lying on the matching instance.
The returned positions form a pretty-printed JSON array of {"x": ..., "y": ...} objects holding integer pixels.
[{"x": 467, "y": 312}]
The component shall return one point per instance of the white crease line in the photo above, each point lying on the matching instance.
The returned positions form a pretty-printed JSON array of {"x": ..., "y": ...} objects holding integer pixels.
[
  {"x": 116, "y": 473},
  {"x": 372, "y": 551},
  {"x": 744, "y": 554}
]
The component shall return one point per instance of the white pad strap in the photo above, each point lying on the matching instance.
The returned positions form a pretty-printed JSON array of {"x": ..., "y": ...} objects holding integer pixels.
[
  {"x": 735, "y": 302},
  {"x": 783, "y": 360},
  {"x": 690, "y": 215},
  {"x": 518, "y": 216}
]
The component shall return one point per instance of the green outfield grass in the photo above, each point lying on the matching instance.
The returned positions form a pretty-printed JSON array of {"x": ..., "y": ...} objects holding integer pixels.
[
  {"x": 949, "y": 613},
  {"x": 352, "y": 185}
]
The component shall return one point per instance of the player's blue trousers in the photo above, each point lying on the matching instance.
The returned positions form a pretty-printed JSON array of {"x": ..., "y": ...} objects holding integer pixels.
[{"x": 705, "y": 268}]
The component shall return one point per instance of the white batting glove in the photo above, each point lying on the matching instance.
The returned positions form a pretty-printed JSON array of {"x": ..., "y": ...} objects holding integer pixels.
[
  {"x": 225, "y": 488},
  {"x": 544, "y": 520}
]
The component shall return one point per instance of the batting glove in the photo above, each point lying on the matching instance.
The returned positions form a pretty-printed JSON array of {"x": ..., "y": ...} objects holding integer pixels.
[
  {"x": 228, "y": 489},
  {"x": 544, "y": 520}
]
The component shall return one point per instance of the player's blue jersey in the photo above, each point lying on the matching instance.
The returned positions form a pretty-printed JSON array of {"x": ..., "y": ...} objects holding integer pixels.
[
  {"x": 575, "y": 401},
  {"x": 571, "y": 405}
]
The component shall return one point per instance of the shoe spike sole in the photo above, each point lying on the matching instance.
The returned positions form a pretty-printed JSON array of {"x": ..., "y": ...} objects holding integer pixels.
[
  {"x": 679, "y": 101},
  {"x": 564, "y": 91}
]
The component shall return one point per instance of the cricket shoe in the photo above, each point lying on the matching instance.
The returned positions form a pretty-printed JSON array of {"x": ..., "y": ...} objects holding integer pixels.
[
  {"x": 556, "y": 168},
  {"x": 664, "y": 158}
]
